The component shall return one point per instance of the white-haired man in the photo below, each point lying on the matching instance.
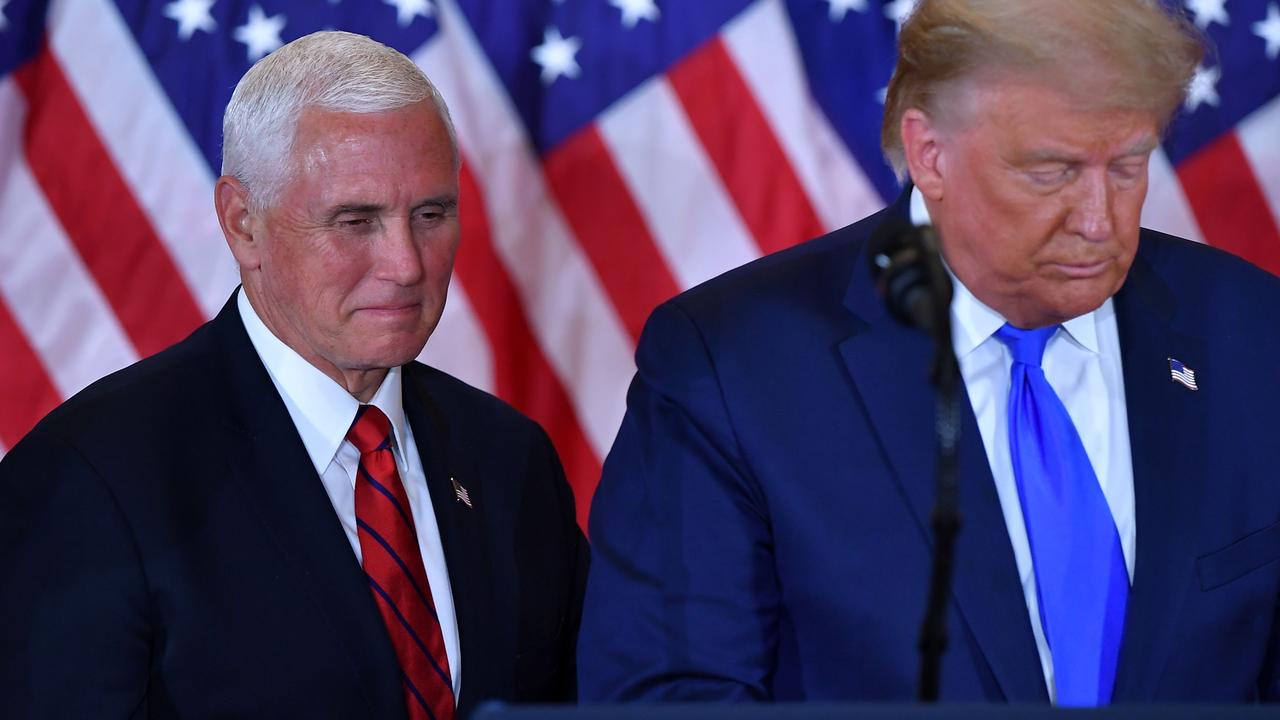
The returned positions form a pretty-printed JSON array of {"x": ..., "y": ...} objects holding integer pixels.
[
  {"x": 762, "y": 529},
  {"x": 284, "y": 515}
]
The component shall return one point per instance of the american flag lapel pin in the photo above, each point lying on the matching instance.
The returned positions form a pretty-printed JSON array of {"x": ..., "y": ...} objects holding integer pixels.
[
  {"x": 1180, "y": 373},
  {"x": 463, "y": 496}
]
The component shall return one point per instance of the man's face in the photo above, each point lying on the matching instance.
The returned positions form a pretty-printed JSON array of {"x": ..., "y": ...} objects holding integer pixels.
[
  {"x": 356, "y": 254},
  {"x": 1039, "y": 200}
]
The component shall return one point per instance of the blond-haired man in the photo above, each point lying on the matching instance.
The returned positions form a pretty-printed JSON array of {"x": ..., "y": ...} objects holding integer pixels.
[
  {"x": 285, "y": 515},
  {"x": 762, "y": 528}
]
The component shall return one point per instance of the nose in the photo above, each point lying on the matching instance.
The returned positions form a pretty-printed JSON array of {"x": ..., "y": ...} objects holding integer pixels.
[
  {"x": 1091, "y": 214},
  {"x": 397, "y": 256}
]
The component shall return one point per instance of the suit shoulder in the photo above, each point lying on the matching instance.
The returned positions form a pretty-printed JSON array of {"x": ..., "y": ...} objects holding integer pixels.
[
  {"x": 795, "y": 292},
  {"x": 1205, "y": 263},
  {"x": 473, "y": 410},
  {"x": 805, "y": 268},
  {"x": 1209, "y": 279},
  {"x": 157, "y": 389}
]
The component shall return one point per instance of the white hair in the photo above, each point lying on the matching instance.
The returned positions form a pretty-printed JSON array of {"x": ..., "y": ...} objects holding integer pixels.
[{"x": 330, "y": 70}]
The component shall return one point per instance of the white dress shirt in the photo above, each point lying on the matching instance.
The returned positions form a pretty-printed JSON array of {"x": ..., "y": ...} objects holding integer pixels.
[
  {"x": 323, "y": 411},
  {"x": 1082, "y": 364}
]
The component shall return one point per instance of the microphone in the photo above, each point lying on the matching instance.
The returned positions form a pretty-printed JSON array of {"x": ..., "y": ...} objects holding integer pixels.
[
  {"x": 910, "y": 276},
  {"x": 916, "y": 289}
]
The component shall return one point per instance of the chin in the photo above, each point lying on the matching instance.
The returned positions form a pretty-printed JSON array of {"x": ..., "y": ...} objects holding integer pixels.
[{"x": 389, "y": 354}]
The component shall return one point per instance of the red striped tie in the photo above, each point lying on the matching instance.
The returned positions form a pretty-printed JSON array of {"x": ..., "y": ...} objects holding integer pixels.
[{"x": 393, "y": 564}]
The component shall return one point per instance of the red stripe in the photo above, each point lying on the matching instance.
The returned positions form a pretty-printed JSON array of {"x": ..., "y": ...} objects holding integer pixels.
[
  {"x": 26, "y": 392},
  {"x": 1229, "y": 204},
  {"x": 94, "y": 204},
  {"x": 746, "y": 153},
  {"x": 522, "y": 375},
  {"x": 597, "y": 203}
]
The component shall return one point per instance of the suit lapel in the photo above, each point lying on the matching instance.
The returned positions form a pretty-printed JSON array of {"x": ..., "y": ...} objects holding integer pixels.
[
  {"x": 444, "y": 462},
  {"x": 889, "y": 365},
  {"x": 1165, "y": 421},
  {"x": 268, "y": 459}
]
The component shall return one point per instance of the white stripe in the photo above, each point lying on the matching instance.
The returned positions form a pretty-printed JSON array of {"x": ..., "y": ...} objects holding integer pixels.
[
  {"x": 1166, "y": 208},
  {"x": 147, "y": 141},
  {"x": 693, "y": 220},
  {"x": 459, "y": 346},
  {"x": 571, "y": 316},
  {"x": 53, "y": 298},
  {"x": 762, "y": 43},
  {"x": 1259, "y": 135}
]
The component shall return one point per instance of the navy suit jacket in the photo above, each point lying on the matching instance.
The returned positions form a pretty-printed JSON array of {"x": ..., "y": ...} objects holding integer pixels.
[
  {"x": 761, "y": 531},
  {"x": 166, "y": 549}
]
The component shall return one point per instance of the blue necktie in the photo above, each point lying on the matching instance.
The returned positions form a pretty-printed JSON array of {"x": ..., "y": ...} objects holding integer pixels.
[{"x": 1081, "y": 582}]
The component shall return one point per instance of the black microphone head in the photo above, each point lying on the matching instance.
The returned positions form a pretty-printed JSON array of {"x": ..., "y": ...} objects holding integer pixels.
[{"x": 908, "y": 272}]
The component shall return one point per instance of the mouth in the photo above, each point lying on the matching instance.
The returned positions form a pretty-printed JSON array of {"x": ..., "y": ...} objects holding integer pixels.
[
  {"x": 1080, "y": 271},
  {"x": 392, "y": 311}
]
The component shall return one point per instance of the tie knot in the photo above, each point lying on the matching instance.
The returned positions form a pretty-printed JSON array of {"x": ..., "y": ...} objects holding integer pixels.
[
  {"x": 1026, "y": 346},
  {"x": 371, "y": 430}
]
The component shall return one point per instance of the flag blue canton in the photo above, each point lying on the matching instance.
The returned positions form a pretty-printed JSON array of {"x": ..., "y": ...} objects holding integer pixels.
[{"x": 1239, "y": 76}]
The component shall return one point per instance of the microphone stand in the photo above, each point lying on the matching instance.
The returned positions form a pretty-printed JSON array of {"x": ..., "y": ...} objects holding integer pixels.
[
  {"x": 945, "y": 518},
  {"x": 908, "y": 270}
]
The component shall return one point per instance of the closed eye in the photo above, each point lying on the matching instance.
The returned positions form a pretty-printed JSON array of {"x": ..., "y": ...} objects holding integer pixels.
[
  {"x": 1050, "y": 176},
  {"x": 435, "y": 212}
]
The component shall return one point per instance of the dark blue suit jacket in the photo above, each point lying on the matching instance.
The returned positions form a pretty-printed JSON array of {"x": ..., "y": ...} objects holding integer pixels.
[
  {"x": 166, "y": 550},
  {"x": 761, "y": 529}
]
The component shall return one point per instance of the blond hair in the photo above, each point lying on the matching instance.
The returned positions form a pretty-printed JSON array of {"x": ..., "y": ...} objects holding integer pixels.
[
  {"x": 1107, "y": 53},
  {"x": 329, "y": 70}
]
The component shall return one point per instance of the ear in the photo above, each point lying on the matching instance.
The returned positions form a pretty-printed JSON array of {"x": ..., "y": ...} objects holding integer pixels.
[
  {"x": 922, "y": 145},
  {"x": 231, "y": 198}
]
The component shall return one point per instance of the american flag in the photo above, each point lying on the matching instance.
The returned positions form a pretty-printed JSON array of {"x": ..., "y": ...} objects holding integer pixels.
[
  {"x": 1182, "y": 374},
  {"x": 615, "y": 153}
]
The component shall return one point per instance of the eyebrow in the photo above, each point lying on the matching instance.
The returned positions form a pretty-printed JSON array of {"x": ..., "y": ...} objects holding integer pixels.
[
  {"x": 1141, "y": 147},
  {"x": 448, "y": 202}
]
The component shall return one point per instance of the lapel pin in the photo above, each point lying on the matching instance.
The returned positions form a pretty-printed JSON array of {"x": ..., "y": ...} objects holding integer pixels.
[
  {"x": 461, "y": 493},
  {"x": 1180, "y": 373}
]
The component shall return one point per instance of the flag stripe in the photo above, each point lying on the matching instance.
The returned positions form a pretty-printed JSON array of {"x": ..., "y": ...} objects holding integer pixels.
[
  {"x": 85, "y": 190},
  {"x": 51, "y": 296},
  {"x": 1260, "y": 139},
  {"x": 458, "y": 345},
  {"x": 147, "y": 142},
  {"x": 25, "y": 388},
  {"x": 763, "y": 45},
  {"x": 603, "y": 216},
  {"x": 1166, "y": 207},
  {"x": 692, "y": 217},
  {"x": 743, "y": 148},
  {"x": 522, "y": 374},
  {"x": 53, "y": 299},
  {"x": 569, "y": 313},
  {"x": 1224, "y": 194}
]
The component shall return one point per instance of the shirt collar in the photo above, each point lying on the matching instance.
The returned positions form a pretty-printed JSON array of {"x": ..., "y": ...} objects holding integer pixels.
[
  {"x": 321, "y": 409},
  {"x": 973, "y": 321}
]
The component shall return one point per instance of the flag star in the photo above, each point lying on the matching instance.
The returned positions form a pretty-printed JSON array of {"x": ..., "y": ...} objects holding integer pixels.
[
  {"x": 883, "y": 95},
  {"x": 633, "y": 11},
  {"x": 556, "y": 56},
  {"x": 1269, "y": 30},
  {"x": 4, "y": 21},
  {"x": 261, "y": 34},
  {"x": 899, "y": 10},
  {"x": 839, "y": 7},
  {"x": 1204, "y": 88},
  {"x": 1208, "y": 12},
  {"x": 191, "y": 15},
  {"x": 407, "y": 10}
]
